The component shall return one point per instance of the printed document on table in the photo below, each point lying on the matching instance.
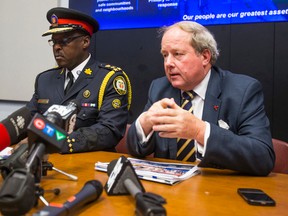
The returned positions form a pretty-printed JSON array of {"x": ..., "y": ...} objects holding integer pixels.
[{"x": 162, "y": 172}]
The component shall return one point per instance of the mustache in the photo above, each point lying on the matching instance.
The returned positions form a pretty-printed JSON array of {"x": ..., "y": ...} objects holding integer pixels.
[{"x": 58, "y": 54}]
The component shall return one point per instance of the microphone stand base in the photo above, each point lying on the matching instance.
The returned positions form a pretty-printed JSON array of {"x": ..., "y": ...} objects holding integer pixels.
[{"x": 46, "y": 165}]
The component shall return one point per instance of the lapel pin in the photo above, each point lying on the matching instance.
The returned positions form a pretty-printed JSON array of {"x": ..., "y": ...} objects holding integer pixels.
[{"x": 216, "y": 107}]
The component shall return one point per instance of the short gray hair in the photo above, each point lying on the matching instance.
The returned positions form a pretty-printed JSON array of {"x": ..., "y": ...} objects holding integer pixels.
[{"x": 201, "y": 37}]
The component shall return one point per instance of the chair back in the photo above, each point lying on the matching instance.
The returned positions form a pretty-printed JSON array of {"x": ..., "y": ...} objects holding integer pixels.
[
  {"x": 121, "y": 146},
  {"x": 281, "y": 152}
]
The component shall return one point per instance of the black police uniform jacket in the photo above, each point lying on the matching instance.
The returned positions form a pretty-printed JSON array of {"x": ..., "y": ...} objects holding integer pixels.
[{"x": 104, "y": 93}]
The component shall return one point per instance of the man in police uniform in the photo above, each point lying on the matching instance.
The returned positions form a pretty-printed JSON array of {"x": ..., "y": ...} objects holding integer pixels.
[{"x": 104, "y": 91}]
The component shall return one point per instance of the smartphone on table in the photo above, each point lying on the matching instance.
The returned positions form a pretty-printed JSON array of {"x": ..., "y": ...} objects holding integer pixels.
[{"x": 255, "y": 196}]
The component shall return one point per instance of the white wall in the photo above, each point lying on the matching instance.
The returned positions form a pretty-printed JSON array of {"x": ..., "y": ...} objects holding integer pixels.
[
  {"x": 7, "y": 108},
  {"x": 23, "y": 51}
]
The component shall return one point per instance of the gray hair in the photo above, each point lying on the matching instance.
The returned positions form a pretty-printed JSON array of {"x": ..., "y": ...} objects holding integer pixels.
[{"x": 201, "y": 37}]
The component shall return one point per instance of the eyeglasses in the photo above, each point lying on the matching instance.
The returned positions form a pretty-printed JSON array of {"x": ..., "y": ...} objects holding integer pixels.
[{"x": 64, "y": 41}]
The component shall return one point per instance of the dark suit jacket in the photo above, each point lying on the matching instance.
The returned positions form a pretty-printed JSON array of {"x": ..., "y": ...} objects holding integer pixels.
[
  {"x": 101, "y": 121},
  {"x": 235, "y": 99}
]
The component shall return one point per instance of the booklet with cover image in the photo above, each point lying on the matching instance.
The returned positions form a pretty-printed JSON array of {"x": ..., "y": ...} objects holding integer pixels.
[{"x": 162, "y": 172}]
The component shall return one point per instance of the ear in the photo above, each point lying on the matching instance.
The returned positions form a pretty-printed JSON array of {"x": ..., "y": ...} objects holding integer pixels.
[
  {"x": 206, "y": 56},
  {"x": 86, "y": 42}
]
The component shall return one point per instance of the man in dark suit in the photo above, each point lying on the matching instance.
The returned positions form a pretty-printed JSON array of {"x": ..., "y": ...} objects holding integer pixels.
[
  {"x": 228, "y": 128},
  {"x": 103, "y": 91}
]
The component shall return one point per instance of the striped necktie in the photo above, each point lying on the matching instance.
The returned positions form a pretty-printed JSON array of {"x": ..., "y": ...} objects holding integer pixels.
[
  {"x": 70, "y": 82},
  {"x": 186, "y": 148}
]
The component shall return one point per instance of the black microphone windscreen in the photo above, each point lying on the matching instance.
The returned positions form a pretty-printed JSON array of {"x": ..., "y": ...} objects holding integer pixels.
[
  {"x": 16, "y": 124},
  {"x": 98, "y": 187},
  {"x": 55, "y": 118},
  {"x": 75, "y": 103},
  {"x": 119, "y": 171}
]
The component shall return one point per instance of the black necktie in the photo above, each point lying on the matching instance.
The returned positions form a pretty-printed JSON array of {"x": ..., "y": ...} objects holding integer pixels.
[
  {"x": 186, "y": 148},
  {"x": 70, "y": 82}
]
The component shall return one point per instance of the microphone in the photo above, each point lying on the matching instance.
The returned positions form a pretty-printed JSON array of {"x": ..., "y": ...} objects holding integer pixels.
[
  {"x": 42, "y": 130},
  {"x": 44, "y": 136},
  {"x": 90, "y": 192},
  {"x": 119, "y": 171},
  {"x": 13, "y": 128},
  {"x": 67, "y": 113},
  {"x": 124, "y": 180},
  {"x": 52, "y": 127},
  {"x": 16, "y": 160}
]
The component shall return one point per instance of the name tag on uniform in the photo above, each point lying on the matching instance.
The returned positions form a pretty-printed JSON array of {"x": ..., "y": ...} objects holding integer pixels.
[{"x": 43, "y": 101}]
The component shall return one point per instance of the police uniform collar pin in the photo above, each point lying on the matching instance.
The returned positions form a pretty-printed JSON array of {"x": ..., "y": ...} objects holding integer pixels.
[{"x": 88, "y": 71}]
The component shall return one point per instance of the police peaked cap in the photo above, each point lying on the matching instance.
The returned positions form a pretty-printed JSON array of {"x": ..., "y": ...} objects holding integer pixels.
[{"x": 66, "y": 19}]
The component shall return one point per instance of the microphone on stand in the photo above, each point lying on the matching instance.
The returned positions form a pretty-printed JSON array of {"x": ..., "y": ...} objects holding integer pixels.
[
  {"x": 49, "y": 166},
  {"x": 124, "y": 180},
  {"x": 13, "y": 129},
  {"x": 52, "y": 127},
  {"x": 90, "y": 192},
  {"x": 67, "y": 112},
  {"x": 45, "y": 135},
  {"x": 16, "y": 160}
]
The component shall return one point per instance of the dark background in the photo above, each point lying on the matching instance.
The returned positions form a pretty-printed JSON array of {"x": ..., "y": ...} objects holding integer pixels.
[{"x": 258, "y": 50}]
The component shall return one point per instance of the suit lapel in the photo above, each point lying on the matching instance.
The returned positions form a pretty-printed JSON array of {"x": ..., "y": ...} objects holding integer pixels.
[
  {"x": 176, "y": 94},
  {"x": 212, "y": 102}
]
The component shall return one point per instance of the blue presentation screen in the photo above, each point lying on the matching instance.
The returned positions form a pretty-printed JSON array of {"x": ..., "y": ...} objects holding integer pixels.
[{"x": 127, "y": 14}]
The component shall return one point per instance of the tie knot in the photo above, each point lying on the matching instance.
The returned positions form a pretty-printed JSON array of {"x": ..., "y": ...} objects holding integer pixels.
[{"x": 189, "y": 95}]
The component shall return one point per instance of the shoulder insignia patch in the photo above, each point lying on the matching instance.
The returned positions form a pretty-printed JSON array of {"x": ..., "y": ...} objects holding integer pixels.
[
  {"x": 120, "y": 86},
  {"x": 116, "y": 103}
]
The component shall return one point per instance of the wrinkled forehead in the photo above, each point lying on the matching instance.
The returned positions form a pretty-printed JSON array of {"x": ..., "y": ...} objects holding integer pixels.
[{"x": 175, "y": 36}]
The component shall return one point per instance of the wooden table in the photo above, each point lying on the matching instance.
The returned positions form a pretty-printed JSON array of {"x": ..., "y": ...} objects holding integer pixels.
[{"x": 213, "y": 192}]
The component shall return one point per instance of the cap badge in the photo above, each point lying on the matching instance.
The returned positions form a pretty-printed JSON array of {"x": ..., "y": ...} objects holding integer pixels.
[
  {"x": 86, "y": 94},
  {"x": 88, "y": 71},
  {"x": 119, "y": 84},
  {"x": 54, "y": 20}
]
